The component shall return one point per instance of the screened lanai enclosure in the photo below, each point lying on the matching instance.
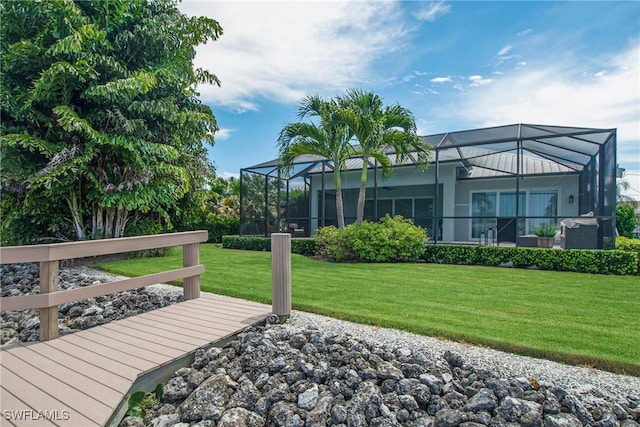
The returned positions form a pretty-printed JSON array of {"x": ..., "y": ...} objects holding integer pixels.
[{"x": 484, "y": 186}]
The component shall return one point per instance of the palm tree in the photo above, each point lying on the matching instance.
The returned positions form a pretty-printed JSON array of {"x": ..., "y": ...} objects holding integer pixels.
[
  {"x": 377, "y": 130},
  {"x": 329, "y": 138}
]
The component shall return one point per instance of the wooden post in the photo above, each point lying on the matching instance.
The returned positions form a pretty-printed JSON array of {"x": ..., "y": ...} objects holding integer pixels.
[
  {"x": 48, "y": 315},
  {"x": 281, "y": 274},
  {"x": 191, "y": 257}
]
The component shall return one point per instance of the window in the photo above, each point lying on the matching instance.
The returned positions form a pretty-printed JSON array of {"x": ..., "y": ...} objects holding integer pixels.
[
  {"x": 419, "y": 210},
  {"x": 543, "y": 204},
  {"x": 540, "y": 205},
  {"x": 482, "y": 205}
]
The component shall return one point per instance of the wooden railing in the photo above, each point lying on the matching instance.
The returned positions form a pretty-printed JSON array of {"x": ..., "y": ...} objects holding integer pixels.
[{"x": 49, "y": 257}]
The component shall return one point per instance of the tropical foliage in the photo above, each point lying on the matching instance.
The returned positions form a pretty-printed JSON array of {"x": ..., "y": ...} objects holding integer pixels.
[
  {"x": 378, "y": 129},
  {"x": 392, "y": 239},
  {"x": 329, "y": 138},
  {"x": 354, "y": 125},
  {"x": 102, "y": 130},
  {"x": 626, "y": 220}
]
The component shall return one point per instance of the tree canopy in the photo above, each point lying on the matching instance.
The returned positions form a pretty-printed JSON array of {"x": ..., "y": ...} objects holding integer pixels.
[
  {"x": 329, "y": 138},
  {"x": 101, "y": 125},
  {"x": 378, "y": 128}
]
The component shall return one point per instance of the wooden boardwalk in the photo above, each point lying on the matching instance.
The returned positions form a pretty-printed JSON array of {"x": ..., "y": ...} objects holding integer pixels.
[{"x": 80, "y": 379}]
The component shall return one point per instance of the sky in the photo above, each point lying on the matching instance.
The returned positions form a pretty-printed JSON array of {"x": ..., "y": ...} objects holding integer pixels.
[{"x": 456, "y": 65}]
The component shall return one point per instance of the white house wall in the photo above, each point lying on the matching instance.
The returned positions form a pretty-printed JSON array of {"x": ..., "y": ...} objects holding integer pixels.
[{"x": 455, "y": 197}]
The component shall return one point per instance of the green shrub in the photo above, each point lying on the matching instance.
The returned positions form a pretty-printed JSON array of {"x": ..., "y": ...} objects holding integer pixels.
[
  {"x": 331, "y": 244},
  {"x": 260, "y": 243},
  {"x": 577, "y": 260},
  {"x": 389, "y": 240},
  {"x": 629, "y": 245},
  {"x": 545, "y": 230},
  {"x": 221, "y": 225},
  {"x": 626, "y": 220}
]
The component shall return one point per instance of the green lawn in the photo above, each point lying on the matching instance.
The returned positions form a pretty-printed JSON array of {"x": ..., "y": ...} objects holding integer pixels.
[{"x": 582, "y": 319}]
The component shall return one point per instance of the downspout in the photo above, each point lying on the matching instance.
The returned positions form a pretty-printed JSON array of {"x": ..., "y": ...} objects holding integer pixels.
[
  {"x": 287, "y": 218},
  {"x": 324, "y": 211},
  {"x": 435, "y": 199},
  {"x": 241, "y": 204},
  {"x": 278, "y": 202},
  {"x": 375, "y": 190},
  {"x": 266, "y": 205},
  {"x": 518, "y": 174}
]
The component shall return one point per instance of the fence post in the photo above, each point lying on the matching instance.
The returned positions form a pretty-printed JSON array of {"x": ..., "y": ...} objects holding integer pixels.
[
  {"x": 191, "y": 257},
  {"x": 281, "y": 274},
  {"x": 49, "y": 315}
]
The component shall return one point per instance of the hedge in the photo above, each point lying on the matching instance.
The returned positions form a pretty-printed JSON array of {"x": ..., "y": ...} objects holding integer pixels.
[
  {"x": 304, "y": 247},
  {"x": 577, "y": 260}
]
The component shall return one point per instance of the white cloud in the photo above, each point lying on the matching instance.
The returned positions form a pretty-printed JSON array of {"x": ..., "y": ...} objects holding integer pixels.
[
  {"x": 504, "y": 50},
  {"x": 558, "y": 94},
  {"x": 433, "y": 11},
  {"x": 283, "y": 50},
  {"x": 223, "y": 133},
  {"x": 477, "y": 80},
  {"x": 441, "y": 79},
  {"x": 525, "y": 32}
]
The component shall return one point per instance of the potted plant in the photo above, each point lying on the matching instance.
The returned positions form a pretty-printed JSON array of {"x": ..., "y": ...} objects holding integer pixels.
[{"x": 545, "y": 233}]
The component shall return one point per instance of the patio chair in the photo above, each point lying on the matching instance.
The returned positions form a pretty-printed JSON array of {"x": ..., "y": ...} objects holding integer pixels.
[
  {"x": 294, "y": 230},
  {"x": 579, "y": 233}
]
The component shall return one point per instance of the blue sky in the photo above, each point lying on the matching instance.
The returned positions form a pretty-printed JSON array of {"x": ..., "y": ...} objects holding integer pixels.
[{"x": 456, "y": 65}]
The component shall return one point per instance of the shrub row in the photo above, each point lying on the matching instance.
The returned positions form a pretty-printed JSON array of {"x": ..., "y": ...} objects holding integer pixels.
[
  {"x": 304, "y": 247},
  {"x": 577, "y": 260},
  {"x": 389, "y": 240},
  {"x": 629, "y": 245}
]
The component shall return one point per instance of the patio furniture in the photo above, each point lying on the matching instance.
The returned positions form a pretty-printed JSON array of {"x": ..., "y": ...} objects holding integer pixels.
[
  {"x": 294, "y": 230},
  {"x": 530, "y": 241},
  {"x": 579, "y": 233}
]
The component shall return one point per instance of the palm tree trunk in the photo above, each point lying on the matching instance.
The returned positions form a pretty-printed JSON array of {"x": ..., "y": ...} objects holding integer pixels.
[
  {"x": 363, "y": 192},
  {"x": 339, "y": 207},
  {"x": 339, "y": 203}
]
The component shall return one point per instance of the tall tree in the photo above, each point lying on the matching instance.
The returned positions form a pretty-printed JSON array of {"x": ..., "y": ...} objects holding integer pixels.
[
  {"x": 100, "y": 115},
  {"x": 378, "y": 130},
  {"x": 329, "y": 138}
]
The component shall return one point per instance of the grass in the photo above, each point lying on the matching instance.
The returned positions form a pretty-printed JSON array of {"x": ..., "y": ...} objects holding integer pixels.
[{"x": 582, "y": 319}]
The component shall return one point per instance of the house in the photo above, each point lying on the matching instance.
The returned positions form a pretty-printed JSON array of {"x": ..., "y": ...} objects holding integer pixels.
[{"x": 492, "y": 184}]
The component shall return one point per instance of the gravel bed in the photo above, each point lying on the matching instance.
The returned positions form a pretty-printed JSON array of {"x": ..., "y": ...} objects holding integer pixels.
[{"x": 600, "y": 398}]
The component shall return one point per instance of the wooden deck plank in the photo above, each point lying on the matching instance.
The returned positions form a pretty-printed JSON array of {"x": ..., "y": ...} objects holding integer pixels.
[
  {"x": 137, "y": 342},
  {"x": 148, "y": 336},
  {"x": 242, "y": 319},
  {"x": 166, "y": 323},
  {"x": 130, "y": 349},
  {"x": 16, "y": 410},
  {"x": 106, "y": 377},
  {"x": 22, "y": 386},
  {"x": 8, "y": 400},
  {"x": 88, "y": 372},
  {"x": 82, "y": 383},
  {"x": 178, "y": 337},
  {"x": 113, "y": 366},
  {"x": 221, "y": 312},
  {"x": 228, "y": 302},
  {"x": 221, "y": 305},
  {"x": 208, "y": 325},
  {"x": 111, "y": 353},
  {"x": 214, "y": 328}
]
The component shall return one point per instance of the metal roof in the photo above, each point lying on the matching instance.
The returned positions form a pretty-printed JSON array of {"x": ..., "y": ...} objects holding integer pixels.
[{"x": 490, "y": 152}]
